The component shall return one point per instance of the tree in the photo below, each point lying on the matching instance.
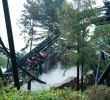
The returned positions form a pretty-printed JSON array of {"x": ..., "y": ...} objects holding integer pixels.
[
  {"x": 39, "y": 14},
  {"x": 75, "y": 19},
  {"x": 43, "y": 12}
]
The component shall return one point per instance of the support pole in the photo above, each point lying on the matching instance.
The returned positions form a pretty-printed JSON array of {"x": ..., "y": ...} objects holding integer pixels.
[
  {"x": 11, "y": 43},
  {"x": 40, "y": 69},
  {"x": 82, "y": 64},
  {"x": 29, "y": 84},
  {"x": 77, "y": 87},
  {"x": 82, "y": 72}
]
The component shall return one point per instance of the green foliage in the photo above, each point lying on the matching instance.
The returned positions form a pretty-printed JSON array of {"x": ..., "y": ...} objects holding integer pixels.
[
  {"x": 68, "y": 58},
  {"x": 42, "y": 12},
  {"x": 93, "y": 93},
  {"x": 1, "y": 83},
  {"x": 74, "y": 21},
  {"x": 76, "y": 17},
  {"x": 65, "y": 94},
  {"x": 39, "y": 15},
  {"x": 3, "y": 60},
  {"x": 98, "y": 93},
  {"x": 101, "y": 33}
]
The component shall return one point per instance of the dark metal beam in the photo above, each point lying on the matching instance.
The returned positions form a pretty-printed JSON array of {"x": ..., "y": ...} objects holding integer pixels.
[
  {"x": 104, "y": 75},
  {"x": 11, "y": 43},
  {"x": 78, "y": 85}
]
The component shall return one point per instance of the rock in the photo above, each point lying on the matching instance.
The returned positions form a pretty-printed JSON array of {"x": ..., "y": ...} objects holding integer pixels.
[{"x": 69, "y": 82}]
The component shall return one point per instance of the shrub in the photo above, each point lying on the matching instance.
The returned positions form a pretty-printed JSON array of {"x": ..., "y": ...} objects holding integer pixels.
[
  {"x": 3, "y": 60},
  {"x": 100, "y": 92},
  {"x": 92, "y": 93},
  {"x": 65, "y": 94},
  {"x": 1, "y": 83}
]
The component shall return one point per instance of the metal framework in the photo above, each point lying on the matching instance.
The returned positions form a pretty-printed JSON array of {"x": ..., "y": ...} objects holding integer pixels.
[{"x": 15, "y": 60}]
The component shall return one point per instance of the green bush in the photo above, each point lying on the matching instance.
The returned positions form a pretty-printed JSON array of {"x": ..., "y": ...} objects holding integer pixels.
[
  {"x": 93, "y": 93},
  {"x": 1, "y": 83},
  {"x": 65, "y": 94},
  {"x": 100, "y": 92},
  {"x": 3, "y": 60}
]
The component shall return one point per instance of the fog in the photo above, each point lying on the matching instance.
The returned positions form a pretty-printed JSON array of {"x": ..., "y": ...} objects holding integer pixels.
[{"x": 53, "y": 77}]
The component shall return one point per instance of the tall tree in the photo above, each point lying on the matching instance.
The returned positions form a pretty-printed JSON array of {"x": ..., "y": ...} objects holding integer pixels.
[
  {"x": 39, "y": 15},
  {"x": 43, "y": 12},
  {"x": 75, "y": 19}
]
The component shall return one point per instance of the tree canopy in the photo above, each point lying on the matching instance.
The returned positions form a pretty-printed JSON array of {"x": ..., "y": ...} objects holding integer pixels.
[
  {"x": 74, "y": 22},
  {"x": 39, "y": 15}
]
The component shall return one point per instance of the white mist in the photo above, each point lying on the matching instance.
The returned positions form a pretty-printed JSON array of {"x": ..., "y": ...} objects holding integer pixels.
[{"x": 54, "y": 76}]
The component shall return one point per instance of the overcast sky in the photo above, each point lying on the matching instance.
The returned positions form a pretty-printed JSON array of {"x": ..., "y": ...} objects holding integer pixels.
[{"x": 15, "y": 7}]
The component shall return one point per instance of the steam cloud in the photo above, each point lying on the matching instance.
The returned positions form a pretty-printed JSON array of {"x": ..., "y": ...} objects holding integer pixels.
[{"x": 54, "y": 76}]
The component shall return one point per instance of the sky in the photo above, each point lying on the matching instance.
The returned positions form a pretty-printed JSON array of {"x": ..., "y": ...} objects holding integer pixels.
[{"x": 15, "y": 8}]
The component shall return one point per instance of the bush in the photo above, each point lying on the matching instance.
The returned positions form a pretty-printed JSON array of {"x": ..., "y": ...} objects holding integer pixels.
[
  {"x": 65, "y": 94},
  {"x": 92, "y": 93},
  {"x": 3, "y": 60},
  {"x": 1, "y": 83},
  {"x": 98, "y": 93}
]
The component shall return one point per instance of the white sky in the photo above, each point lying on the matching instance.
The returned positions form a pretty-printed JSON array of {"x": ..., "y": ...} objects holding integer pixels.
[{"x": 15, "y": 7}]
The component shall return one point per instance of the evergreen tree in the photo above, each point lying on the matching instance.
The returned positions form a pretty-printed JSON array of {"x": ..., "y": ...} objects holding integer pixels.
[
  {"x": 39, "y": 14},
  {"x": 74, "y": 20}
]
